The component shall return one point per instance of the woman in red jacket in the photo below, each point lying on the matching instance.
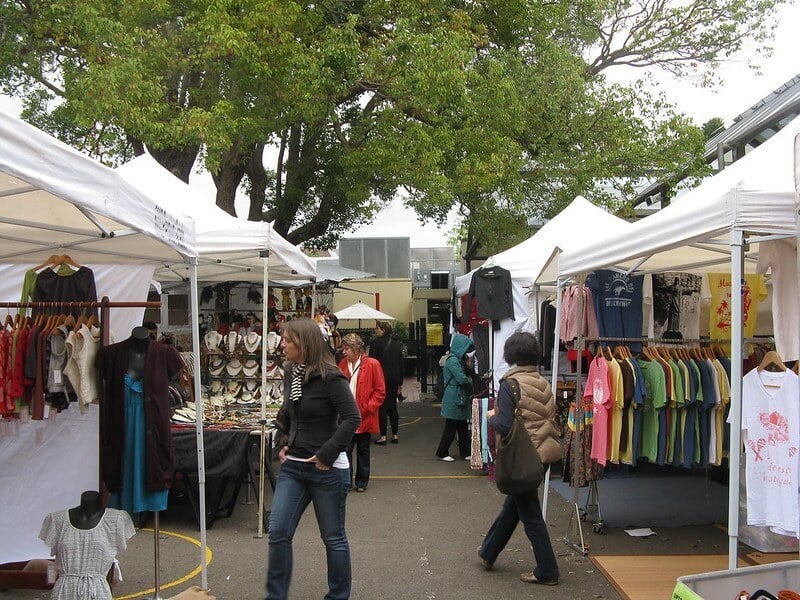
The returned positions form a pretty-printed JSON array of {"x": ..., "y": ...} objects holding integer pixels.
[{"x": 368, "y": 387}]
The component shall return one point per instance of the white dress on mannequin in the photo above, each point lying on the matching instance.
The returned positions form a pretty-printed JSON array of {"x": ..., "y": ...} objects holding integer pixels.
[{"x": 84, "y": 556}]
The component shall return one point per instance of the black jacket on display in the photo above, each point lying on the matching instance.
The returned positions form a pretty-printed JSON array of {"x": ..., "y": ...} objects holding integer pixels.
[{"x": 491, "y": 287}]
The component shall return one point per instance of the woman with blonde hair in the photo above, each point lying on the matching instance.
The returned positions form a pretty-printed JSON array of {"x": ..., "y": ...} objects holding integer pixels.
[
  {"x": 314, "y": 469},
  {"x": 366, "y": 382}
]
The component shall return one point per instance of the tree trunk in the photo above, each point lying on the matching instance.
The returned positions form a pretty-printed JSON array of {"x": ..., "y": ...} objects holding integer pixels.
[
  {"x": 178, "y": 161},
  {"x": 258, "y": 183},
  {"x": 227, "y": 179}
]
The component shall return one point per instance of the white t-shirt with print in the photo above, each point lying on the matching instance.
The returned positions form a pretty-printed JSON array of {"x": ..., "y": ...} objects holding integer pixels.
[{"x": 771, "y": 427}]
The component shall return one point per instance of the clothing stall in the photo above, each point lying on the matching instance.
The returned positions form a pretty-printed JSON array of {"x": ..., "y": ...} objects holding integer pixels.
[
  {"x": 532, "y": 265},
  {"x": 230, "y": 249},
  {"x": 58, "y": 201},
  {"x": 726, "y": 221}
]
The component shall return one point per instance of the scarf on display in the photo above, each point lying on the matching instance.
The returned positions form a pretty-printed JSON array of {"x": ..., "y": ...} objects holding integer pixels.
[
  {"x": 354, "y": 367},
  {"x": 296, "y": 391}
]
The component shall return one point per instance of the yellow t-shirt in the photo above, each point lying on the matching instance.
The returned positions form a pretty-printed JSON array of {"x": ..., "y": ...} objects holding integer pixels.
[{"x": 719, "y": 292}]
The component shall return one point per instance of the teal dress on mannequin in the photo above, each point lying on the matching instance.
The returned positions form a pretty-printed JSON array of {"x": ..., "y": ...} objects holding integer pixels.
[{"x": 134, "y": 497}]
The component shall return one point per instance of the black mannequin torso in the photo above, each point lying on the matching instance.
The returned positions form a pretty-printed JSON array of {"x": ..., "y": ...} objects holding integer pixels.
[
  {"x": 89, "y": 512},
  {"x": 140, "y": 339}
]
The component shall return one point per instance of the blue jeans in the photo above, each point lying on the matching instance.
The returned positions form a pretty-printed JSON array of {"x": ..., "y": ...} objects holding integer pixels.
[
  {"x": 525, "y": 508},
  {"x": 298, "y": 484}
]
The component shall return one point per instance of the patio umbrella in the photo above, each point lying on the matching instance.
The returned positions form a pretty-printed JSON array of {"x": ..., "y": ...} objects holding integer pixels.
[{"x": 359, "y": 311}]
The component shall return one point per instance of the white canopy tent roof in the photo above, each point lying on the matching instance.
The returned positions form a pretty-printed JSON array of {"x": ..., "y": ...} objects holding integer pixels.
[
  {"x": 755, "y": 194},
  {"x": 709, "y": 228},
  {"x": 228, "y": 246},
  {"x": 56, "y": 199},
  {"x": 53, "y": 199},
  {"x": 532, "y": 261}
]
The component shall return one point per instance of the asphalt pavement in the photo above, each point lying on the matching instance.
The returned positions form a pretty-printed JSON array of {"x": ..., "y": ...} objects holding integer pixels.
[{"x": 413, "y": 535}]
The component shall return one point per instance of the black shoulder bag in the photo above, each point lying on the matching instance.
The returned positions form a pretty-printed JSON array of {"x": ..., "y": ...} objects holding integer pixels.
[{"x": 518, "y": 468}]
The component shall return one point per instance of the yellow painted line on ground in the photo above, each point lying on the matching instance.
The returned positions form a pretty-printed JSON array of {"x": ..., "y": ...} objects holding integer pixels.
[
  {"x": 416, "y": 420},
  {"x": 185, "y": 578}
]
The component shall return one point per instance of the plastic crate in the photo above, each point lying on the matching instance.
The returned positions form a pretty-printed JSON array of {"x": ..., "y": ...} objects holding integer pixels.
[{"x": 724, "y": 585}]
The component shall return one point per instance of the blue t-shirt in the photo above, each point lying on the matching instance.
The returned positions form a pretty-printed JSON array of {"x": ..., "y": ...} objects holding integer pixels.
[{"x": 618, "y": 304}]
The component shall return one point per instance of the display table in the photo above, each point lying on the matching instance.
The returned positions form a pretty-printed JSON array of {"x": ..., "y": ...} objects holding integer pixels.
[{"x": 226, "y": 454}]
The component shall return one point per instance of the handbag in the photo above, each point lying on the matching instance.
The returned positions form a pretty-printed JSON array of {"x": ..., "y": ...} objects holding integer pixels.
[{"x": 518, "y": 467}]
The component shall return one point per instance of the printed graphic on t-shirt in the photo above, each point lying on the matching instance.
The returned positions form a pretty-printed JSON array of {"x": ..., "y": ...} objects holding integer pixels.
[
  {"x": 618, "y": 291},
  {"x": 719, "y": 291},
  {"x": 676, "y": 304}
]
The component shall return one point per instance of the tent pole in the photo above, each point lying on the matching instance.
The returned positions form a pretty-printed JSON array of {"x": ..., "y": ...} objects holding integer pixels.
[
  {"x": 201, "y": 465},
  {"x": 553, "y": 385},
  {"x": 797, "y": 216},
  {"x": 737, "y": 268},
  {"x": 263, "y": 420}
]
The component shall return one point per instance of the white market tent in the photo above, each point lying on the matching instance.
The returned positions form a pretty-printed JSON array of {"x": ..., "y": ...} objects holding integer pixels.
[
  {"x": 535, "y": 261},
  {"x": 230, "y": 249},
  {"x": 53, "y": 199},
  {"x": 752, "y": 200},
  {"x": 228, "y": 246}
]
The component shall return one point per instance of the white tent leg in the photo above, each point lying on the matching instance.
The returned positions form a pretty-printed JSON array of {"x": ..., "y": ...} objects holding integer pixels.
[
  {"x": 737, "y": 264},
  {"x": 201, "y": 465},
  {"x": 553, "y": 384}
]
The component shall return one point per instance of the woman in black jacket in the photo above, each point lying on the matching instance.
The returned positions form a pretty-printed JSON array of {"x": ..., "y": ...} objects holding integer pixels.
[
  {"x": 322, "y": 419},
  {"x": 389, "y": 353}
]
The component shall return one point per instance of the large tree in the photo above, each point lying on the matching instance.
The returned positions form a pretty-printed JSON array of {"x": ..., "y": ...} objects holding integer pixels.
[{"x": 323, "y": 111}]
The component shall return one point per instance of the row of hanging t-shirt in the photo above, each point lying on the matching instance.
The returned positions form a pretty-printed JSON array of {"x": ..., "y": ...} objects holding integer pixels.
[
  {"x": 666, "y": 405},
  {"x": 665, "y": 305}
]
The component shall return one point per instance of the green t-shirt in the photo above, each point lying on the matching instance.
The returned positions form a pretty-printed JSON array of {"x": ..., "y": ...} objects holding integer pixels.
[{"x": 655, "y": 397}]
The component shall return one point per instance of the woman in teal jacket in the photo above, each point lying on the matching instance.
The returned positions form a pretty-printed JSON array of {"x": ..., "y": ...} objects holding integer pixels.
[{"x": 456, "y": 398}]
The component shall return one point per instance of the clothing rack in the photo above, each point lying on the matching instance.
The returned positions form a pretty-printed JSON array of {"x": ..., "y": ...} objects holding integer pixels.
[{"x": 105, "y": 306}]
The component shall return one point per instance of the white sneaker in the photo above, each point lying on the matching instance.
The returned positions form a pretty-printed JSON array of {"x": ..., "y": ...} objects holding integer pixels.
[
  {"x": 468, "y": 457},
  {"x": 447, "y": 458}
]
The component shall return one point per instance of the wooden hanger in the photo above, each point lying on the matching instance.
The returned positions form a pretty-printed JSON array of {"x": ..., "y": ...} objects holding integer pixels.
[
  {"x": 69, "y": 321},
  {"x": 771, "y": 358},
  {"x": 9, "y": 322},
  {"x": 50, "y": 262},
  {"x": 91, "y": 321},
  {"x": 57, "y": 259}
]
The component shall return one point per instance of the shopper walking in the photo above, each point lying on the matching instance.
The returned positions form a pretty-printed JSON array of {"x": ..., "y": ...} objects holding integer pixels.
[
  {"x": 537, "y": 409},
  {"x": 389, "y": 353},
  {"x": 366, "y": 383},
  {"x": 323, "y": 417},
  {"x": 456, "y": 398}
]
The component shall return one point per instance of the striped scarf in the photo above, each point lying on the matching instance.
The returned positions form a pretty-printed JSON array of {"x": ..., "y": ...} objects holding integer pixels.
[{"x": 295, "y": 391}]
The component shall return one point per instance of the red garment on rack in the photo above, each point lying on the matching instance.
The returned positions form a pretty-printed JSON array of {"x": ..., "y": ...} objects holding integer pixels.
[
  {"x": 6, "y": 402},
  {"x": 17, "y": 389}
]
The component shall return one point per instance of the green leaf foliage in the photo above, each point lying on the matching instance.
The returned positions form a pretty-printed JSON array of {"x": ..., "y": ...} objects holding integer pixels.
[{"x": 322, "y": 111}]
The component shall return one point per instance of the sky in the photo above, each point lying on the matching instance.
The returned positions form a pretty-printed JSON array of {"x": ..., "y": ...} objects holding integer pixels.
[{"x": 740, "y": 89}]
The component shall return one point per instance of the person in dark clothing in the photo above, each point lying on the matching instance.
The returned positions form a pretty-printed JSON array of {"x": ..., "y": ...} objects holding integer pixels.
[
  {"x": 152, "y": 329},
  {"x": 390, "y": 354},
  {"x": 323, "y": 417},
  {"x": 537, "y": 411}
]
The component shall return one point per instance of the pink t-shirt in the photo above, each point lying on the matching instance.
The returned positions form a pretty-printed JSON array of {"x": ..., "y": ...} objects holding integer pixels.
[{"x": 598, "y": 389}]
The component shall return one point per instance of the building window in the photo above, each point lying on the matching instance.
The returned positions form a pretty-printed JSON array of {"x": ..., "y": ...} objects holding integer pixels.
[{"x": 440, "y": 281}]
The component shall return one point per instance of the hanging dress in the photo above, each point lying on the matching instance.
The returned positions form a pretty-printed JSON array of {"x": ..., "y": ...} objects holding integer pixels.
[
  {"x": 134, "y": 496},
  {"x": 83, "y": 557}
]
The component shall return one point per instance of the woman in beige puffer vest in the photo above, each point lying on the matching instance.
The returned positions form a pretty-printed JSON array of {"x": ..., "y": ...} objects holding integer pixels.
[{"x": 537, "y": 409}]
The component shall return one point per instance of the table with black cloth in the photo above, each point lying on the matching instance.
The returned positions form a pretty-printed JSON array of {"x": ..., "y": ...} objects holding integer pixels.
[{"x": 226, "y": 453}]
